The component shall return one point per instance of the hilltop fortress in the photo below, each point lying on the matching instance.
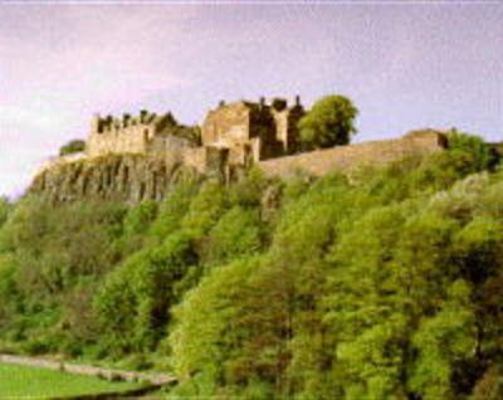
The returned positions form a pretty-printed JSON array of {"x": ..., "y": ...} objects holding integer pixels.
[
  {"x": 236, "y": 134},
  {"x": 136, "y": 157}
]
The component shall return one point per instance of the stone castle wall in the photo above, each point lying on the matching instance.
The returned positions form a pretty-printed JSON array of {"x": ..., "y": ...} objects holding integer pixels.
[
  {"x": 131, "y": 139},
  {"x": 345, "y": 158},
  {"x": 146, "y": 133}
]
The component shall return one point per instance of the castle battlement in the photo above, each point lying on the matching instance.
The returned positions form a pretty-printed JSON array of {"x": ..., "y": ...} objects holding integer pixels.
[{"x": 145, "y": 118}]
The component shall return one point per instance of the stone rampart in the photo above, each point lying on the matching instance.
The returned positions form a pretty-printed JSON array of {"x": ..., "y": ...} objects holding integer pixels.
[
  {"x": 131, "y": 139},
  {"x": 345, "y": 158},
  {"x": 143, "y": 134}
]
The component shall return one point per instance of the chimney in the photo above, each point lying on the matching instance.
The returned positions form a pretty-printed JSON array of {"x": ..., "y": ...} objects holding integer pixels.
[{"x": 297, "y": 101}]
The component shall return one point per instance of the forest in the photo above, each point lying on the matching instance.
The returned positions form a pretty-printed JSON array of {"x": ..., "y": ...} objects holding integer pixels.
[{"x": 386, "y": 283}]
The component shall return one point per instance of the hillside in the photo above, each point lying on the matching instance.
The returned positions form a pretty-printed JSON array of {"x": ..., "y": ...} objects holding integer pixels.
[{"x": 385, "y": 284}]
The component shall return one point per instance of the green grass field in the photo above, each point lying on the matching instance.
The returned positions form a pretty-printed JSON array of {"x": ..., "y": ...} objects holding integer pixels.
[{"x": 19, "y": 382}]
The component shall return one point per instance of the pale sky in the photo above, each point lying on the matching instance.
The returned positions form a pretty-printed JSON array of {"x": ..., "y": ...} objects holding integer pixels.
[{"x": 406, "y": 65}]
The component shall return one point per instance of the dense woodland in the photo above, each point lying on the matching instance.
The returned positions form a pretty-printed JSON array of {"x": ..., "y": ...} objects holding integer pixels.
[{"x": 387, "y": 284}]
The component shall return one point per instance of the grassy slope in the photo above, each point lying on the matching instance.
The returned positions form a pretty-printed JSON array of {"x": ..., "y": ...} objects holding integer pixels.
[{"x": 27, "y": 382}]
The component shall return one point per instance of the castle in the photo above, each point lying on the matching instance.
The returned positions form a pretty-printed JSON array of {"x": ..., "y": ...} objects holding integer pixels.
[
  {"x": 149, "y": 149},
  {"x": 236, "y": 134}
]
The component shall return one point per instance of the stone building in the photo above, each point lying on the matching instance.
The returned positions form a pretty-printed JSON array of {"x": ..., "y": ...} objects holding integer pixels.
[
  {"x": 251, "y": 132},
  {"x": 147, "y": 150},
  {"x": 147, "y": 133},
  {"x": 233, "y": 135}
]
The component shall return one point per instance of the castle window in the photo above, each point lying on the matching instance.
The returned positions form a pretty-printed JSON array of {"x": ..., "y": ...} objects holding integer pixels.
[{"x": 145, "y": 134}]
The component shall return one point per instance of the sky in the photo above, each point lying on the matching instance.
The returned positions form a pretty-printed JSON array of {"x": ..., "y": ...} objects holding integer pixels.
[{"x": 405, "y": 65}]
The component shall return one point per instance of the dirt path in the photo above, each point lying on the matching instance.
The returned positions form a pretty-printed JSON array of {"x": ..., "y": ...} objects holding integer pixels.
[{"x": 157, "y": 379}]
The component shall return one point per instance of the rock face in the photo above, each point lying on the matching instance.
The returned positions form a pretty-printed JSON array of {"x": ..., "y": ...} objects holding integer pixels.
[{"x": 129, "y": 178}]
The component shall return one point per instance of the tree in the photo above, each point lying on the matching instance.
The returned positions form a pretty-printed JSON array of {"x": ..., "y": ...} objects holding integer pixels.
[
  {"x": 4, "y": 209},
  {"x": 133, "y": 304},
  {"x": 471, "y": 152},
  {"x": 73, "y": 146},
  {"x": 330, "y": 122}
]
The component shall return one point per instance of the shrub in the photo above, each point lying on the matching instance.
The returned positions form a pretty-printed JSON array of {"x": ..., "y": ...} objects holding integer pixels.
[{"x": 73, "y": 146}]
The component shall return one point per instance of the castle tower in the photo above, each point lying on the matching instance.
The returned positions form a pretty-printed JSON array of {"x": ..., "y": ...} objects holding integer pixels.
[{"x": 286, "y": 120}]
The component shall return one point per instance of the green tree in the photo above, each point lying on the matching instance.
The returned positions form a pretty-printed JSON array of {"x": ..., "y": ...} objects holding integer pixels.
[
  {"x": 207, "y": 329},
  {"x": 4, "y": 210},
  {"x": 330, "y": 122},
  {"x": 134, "y": 301},
  {"x": 172, "y": 210},
  {"x": 206, "y": 207},
  {"x": 441, "y": 341},
  {"x": 139, "y": 218},
  {"x": 237, "y": 234},
  {"x": 471, "y": 150},
  {"x": 73, "y": 146}
]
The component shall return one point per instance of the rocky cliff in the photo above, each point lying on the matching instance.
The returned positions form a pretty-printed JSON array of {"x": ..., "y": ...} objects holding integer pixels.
[{"x": 130, "y": 178}]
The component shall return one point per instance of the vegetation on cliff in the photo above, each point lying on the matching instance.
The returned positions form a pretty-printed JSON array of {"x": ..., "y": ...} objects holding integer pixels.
[
  {"x": 386, "y": 284},
  {"x": 73, "y": 146}
]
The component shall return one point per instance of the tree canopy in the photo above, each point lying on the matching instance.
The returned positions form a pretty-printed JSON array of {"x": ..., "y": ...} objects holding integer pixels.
[
  {"x": 73, "y": 146},
  {"x": 330, "y": 122}
]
